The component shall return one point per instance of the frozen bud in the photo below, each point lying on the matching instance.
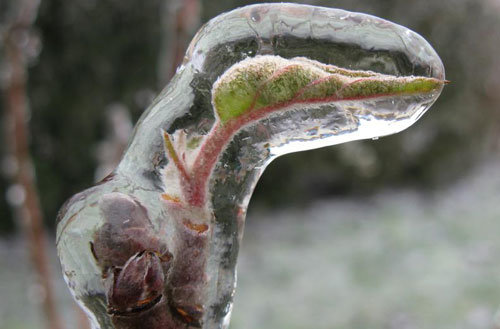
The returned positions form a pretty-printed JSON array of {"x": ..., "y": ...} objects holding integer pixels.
[
  {"x": 127, "y": 230},
  {"x": 138, "y": 286}
]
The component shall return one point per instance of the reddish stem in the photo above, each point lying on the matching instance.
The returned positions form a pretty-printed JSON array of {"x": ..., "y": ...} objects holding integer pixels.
[
  {"x": 222, "y": 133},
  {"x": 204, "y": 163}
]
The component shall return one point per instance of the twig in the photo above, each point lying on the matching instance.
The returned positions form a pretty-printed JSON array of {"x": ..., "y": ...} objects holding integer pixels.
[
  {"x": 180, "y": 20},
  {"x": 16, "y": 104}
]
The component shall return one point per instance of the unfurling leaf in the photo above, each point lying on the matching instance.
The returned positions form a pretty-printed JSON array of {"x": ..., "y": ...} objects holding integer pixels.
[{"x": 274, "y": 82}]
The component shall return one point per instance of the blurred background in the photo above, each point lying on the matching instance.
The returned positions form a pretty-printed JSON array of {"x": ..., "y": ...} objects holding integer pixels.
[{"x": 401, "y": 232}]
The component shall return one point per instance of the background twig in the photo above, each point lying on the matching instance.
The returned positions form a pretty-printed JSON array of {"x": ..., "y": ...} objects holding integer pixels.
[
  {"x": 27, "y": 208},
  {"x": 180, "y": 20}
]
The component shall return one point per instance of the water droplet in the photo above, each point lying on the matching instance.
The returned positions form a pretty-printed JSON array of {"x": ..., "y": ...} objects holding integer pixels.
[{"x": 255, "y": 15}]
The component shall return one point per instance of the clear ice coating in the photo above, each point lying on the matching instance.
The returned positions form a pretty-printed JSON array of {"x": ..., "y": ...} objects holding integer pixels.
[{"x": 155, "y": 244}]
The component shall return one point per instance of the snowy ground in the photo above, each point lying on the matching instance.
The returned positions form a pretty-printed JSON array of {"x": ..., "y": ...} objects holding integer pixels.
[{"x": 398, "y": 260}]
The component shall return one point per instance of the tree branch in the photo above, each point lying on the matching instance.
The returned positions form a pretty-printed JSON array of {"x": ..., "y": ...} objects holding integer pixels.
[{"x": 16, "y": 104}]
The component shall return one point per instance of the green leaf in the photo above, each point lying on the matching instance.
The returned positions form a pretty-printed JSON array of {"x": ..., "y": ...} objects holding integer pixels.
[{"x": 273, "y": 82}]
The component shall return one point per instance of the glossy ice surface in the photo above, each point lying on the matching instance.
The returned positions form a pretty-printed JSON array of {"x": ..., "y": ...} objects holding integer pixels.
[{"x": 155, "y": 244}]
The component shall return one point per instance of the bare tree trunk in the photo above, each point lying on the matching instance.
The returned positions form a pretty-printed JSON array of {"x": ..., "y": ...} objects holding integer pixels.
[{"x": 16, "y": 105}]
